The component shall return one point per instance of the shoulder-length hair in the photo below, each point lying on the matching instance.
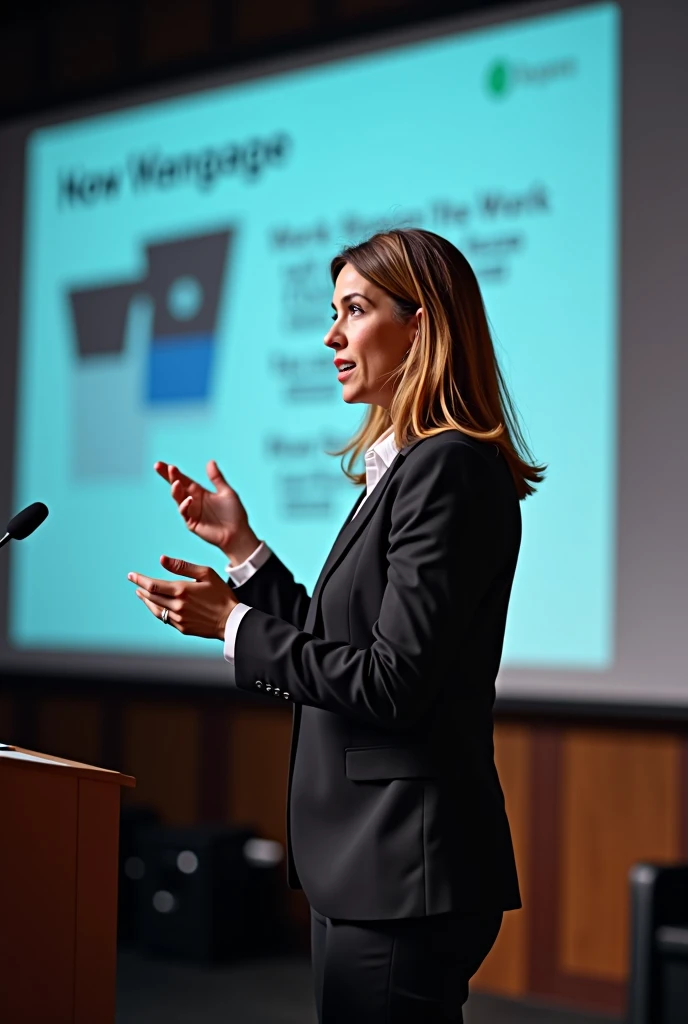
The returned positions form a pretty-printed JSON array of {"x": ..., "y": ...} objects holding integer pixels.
[{"x": 451, "y": 380}]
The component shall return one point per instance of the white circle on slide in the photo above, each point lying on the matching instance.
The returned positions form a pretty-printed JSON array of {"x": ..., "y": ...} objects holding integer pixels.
[{"x": 185, "y": 298}]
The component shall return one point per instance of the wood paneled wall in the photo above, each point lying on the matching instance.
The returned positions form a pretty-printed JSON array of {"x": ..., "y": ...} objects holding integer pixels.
[
  {"x": 506, "y": 969},
  {"x": 619, "y": 803},
  {"x": 585, "y": 802}
]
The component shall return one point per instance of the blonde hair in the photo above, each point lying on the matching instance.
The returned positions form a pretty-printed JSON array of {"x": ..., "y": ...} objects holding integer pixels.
[{"x": 451, "y": 380}]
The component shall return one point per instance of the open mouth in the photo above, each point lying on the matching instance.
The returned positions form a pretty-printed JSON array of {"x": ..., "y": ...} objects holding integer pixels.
[{"x": 345, "y": 372}]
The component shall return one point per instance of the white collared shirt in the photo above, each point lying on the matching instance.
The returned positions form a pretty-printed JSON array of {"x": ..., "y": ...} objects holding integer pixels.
[{"x": 378, "y": 459}]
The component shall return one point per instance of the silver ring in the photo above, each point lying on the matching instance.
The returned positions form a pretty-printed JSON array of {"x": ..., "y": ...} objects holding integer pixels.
[{"x": 165, "y": 615}]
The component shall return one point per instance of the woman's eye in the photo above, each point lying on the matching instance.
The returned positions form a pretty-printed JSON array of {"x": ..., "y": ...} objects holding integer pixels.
[{"x": 352, "y": 307}]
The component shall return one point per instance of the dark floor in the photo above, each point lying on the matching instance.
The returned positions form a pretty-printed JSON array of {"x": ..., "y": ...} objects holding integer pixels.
[{"x": 269, "y": 991}]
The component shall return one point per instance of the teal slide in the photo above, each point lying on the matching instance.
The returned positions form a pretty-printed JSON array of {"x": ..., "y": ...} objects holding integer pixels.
[{"x": 176, "y": 293}]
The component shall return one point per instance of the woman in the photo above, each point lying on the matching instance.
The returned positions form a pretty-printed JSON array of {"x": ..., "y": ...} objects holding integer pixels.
[{"x": 396, "y": 825}]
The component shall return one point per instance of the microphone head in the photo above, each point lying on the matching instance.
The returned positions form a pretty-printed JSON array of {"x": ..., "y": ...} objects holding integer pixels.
[{"x": 26, "y": 521}]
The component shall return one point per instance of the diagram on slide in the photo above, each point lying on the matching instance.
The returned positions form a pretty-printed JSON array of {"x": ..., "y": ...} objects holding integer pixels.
[{"x": 144, "y": 343}]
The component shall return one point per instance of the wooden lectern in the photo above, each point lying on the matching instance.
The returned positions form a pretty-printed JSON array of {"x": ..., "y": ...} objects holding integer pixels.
[{"x": 59, "y": 836}]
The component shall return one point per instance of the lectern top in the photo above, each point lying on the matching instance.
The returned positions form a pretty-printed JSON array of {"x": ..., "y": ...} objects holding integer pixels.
[{"x": 33, "y": 760}]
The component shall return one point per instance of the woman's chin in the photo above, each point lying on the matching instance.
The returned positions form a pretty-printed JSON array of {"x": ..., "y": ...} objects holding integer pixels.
[{"x": 350, "y": 395}]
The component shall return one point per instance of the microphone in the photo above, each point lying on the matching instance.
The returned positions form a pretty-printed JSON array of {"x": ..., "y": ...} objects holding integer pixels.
[{"x": 25, "y": 522}]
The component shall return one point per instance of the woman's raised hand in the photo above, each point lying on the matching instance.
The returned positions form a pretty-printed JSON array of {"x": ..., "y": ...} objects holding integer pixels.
[{"x": 218, "y": 516}]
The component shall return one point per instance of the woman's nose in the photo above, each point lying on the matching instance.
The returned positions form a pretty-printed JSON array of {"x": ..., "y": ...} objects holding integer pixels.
[{"x": 330, "y": 337}]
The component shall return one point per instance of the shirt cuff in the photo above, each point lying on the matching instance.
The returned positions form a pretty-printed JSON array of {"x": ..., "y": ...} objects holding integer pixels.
[
  {"x": 244, "y": 570},
  {"x": 232, "y": 625}
]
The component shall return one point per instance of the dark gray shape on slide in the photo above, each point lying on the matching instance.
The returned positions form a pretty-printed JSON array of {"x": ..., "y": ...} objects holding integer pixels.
[
  {"x": 202, "y": 257},
  {"x": 100, "y": 315}
]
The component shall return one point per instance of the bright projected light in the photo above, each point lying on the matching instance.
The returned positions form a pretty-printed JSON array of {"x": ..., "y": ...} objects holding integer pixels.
[{"x": 176, "y": 294}]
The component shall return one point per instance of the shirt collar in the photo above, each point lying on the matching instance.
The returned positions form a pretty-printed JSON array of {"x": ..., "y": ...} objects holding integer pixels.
[{"x": 385, "y": 448}]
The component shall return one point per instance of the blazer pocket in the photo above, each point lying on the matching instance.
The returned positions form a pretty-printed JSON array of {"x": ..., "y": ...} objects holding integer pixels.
[{"x": 363, "y": 763}]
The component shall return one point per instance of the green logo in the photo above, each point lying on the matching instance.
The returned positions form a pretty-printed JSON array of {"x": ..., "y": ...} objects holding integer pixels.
[
  {"x": 503, "y": 77},
  {"x": 498, "y": 78}
]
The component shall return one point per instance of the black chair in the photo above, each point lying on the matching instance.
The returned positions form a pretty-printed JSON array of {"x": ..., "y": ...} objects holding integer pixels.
[{"x": 658, "y": 975}]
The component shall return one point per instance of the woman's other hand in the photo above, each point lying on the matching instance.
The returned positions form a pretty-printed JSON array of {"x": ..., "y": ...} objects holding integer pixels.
[
  {"x": 218, "y": 516},
  {"x": 199, "y": 606}
]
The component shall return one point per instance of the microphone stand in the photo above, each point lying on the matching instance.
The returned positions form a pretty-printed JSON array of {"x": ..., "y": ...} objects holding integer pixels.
[
  {"x": 36, "y": 514},
  {"x": 4, "y": 540}
]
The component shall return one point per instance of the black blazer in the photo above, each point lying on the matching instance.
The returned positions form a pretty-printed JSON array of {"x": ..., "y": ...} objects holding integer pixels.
[{"x": 394, "y": 806}]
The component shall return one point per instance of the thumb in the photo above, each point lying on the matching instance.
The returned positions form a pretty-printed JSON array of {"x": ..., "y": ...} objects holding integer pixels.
[
  {"x": 216, "y": 477},
  {"x": 182, "y": 568}
]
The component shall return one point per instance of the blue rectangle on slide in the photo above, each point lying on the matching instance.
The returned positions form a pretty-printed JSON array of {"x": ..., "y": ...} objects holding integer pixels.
[
  {"x": 179, "y": 368},
  {"x": 217, "y": 213}
]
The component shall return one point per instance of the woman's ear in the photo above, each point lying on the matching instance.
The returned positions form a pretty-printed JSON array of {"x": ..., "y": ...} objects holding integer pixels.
[{"x": 415, "y": 325}]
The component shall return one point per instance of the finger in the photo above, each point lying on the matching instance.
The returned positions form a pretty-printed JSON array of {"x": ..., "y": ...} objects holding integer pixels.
[
  {"x": 174, "y": 473},
  {"x": 173, "y": 618},
  {"x": 216, "y": 477},
  {"x": 173, "y": 604},
  {"x": 167, "y": 588},
  {"x": 178, "y": 491},
  {"x": 171, "y": 474},
  {"x": 186, "y": 507},
  {"x": 182, "y": 568}
]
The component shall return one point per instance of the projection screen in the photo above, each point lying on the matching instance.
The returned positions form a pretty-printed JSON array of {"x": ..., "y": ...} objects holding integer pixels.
[{"x": 165, "y": 293}]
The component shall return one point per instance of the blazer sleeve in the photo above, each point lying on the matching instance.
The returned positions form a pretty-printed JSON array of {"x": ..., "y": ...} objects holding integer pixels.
[
  {"x": 273, "y": 589},
  {"x": 441, "y": 558}
]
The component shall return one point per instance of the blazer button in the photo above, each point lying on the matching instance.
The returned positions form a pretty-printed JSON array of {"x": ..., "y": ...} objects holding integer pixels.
[
  {"x": 258, "y": 684},
  {"x": 285, "y": 695},
  {"x": 277, "y": 691},
  {"x": 268, "y": 687}
]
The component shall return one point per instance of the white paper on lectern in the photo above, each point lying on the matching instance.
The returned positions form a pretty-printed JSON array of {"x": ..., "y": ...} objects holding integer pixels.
[{"x": 19, "y": 756}]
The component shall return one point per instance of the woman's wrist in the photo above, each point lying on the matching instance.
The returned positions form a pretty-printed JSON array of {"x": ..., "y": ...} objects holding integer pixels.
[{"x": 241, "y": 548}]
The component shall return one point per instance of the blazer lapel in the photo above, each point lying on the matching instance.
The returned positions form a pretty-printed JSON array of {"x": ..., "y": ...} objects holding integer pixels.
[{"x": 352, "y": 527}]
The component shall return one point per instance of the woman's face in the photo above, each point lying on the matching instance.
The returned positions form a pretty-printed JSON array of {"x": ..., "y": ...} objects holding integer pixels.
[{"x": 365, "y": 333}]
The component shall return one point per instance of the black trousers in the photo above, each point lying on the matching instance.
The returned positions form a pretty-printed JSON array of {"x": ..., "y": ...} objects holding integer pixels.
[{"x": 412, "y": 970}]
